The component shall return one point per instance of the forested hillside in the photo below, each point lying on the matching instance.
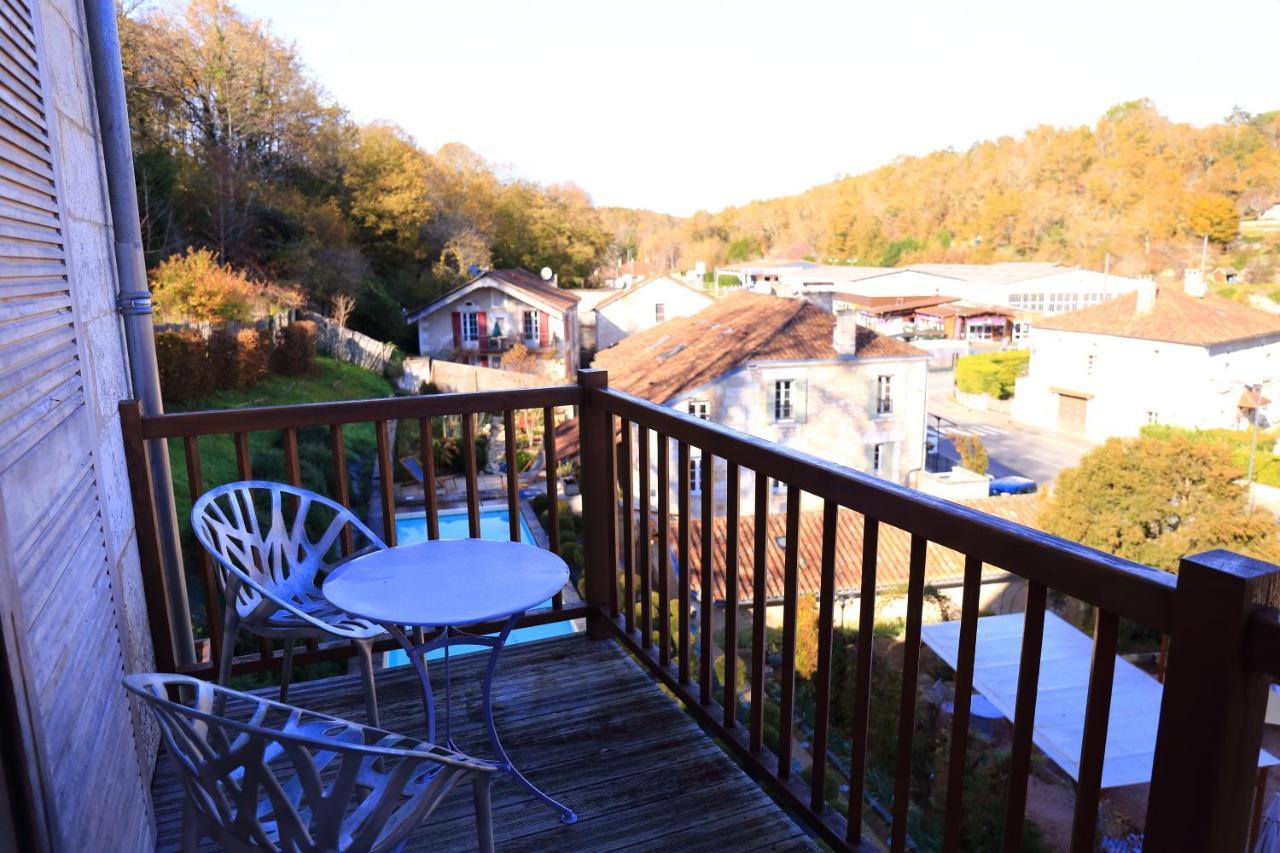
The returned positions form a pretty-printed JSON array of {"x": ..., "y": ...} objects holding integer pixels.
[
  {"x": 239, "y": 151},
  {"x": 1136, "y": 185}
]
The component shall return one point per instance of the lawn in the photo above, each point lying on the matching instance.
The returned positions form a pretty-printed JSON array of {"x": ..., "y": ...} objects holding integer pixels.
[{"x": 328, "y": 381}]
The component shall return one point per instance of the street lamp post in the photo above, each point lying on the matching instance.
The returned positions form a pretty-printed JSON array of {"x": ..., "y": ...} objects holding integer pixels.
[{"x": 1253, "y": 441}]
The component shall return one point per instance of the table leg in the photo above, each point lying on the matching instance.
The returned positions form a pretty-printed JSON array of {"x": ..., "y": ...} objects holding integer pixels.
[
  {"x": 417, "y": 654},
  {"x": 418, "y": 660},
  {"x": 566, "y": 814}
]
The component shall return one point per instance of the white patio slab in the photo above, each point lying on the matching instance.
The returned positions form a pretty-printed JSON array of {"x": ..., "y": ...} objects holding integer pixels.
[{"x": 1064, "y": 686}]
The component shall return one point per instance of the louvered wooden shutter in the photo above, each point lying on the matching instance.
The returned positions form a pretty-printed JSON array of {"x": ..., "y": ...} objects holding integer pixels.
[
  {"x": 544, "y": 329},
  {"x": 457, "y": 330},
  {"x": 57, "y": 557},
  {"x": 482, "y": 330}
]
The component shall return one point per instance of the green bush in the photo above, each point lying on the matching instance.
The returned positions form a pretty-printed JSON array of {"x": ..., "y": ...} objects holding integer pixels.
[
  {"x": 393, "y": 371},
  {"x": 992, "y": 373},
  {"x": 1266, "y": 465},
  {"x": 973, "y": 453}
]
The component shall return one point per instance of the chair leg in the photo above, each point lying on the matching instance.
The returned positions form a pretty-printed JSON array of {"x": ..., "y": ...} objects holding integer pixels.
[
  {"x": 230, "y": 627},
  {"x": 286, "y": 669},
  {"x": 365, "y": 648},
  {"x": 480, "y": 788},
  {"x": 190, "y": 832}
]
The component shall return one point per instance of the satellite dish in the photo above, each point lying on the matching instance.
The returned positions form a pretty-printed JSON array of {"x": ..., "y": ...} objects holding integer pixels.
[{"x": 546, "y": 273}]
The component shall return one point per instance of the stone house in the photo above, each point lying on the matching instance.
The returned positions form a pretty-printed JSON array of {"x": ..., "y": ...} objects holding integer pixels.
[
  {"x": 1160, "y": 355},
  {"x": 643, "y": 306},
  {"x": 786, "y": 371},
  {"x": 478, "y": 322}
]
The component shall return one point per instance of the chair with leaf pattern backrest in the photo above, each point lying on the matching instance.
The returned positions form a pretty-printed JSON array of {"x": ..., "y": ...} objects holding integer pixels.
[
  {"x": 263, "y": 775},
  {"x": 270, "y": 566}
]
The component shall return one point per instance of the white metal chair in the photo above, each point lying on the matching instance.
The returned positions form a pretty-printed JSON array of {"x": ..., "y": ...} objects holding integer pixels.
[
  {"x": 263, "y": 775},
  {"x": 271, "y": 567}
]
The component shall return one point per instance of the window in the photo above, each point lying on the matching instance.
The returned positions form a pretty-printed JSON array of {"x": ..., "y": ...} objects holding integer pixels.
[
  {"x": 884, "y": 395},
  {"x": 695, "y": 474},
  {"x": 531, "y": 332},
  {"x": 777, "y": 486},
  {"x": 881, "y": 459},
  {"x": 1153, "y": 417},
  {"x": 700, "y": 409},
  {"x": 659, "y": 312},
  {"x": 1021, "y": 331},
  {"x": 471, "y": 326},
  {"x": 1091, "y": 360},
  {"x": 783, "y": 407}
]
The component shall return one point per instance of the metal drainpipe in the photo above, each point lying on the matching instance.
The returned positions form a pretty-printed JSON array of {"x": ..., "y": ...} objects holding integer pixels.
[{"x": 134, "y": 298}]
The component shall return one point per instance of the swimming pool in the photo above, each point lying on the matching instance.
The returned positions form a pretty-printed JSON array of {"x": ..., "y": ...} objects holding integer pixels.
[{"x": 494, "y": 524}]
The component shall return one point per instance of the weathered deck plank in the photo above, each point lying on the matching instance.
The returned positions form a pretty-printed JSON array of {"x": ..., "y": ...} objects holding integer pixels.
[{"x": 588, "y": 725}]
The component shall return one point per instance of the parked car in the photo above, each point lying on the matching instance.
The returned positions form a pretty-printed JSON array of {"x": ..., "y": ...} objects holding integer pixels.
[{"x": 1011, "y": 486}]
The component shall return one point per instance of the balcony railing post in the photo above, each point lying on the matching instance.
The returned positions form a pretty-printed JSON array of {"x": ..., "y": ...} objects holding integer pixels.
[
  {"x": 1211, "y": 718},
  {"x": 596, "y": 441},
  {"x": 164, "y": 636}
]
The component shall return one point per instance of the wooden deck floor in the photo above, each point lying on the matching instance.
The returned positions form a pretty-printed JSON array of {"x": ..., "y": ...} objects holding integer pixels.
[{"x": 588, "y": 725}]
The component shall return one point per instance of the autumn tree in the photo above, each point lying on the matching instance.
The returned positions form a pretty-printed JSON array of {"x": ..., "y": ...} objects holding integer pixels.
[
  {"x": 1154, "y": 499},
  {"x": 196, "y": 288}
]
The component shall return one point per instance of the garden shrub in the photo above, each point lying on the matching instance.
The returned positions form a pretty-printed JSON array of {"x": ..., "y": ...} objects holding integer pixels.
[
  {"x": 992, "y": 373},
  {"x": 183, "y": 362},
  {"x": 253, "y": 356},
  {"x": 224, "y": 359},
  {"x": 297, "y": 349}
]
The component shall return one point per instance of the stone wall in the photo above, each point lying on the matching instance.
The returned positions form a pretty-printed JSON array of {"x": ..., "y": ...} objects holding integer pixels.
[{"x": 451, "y": 376}]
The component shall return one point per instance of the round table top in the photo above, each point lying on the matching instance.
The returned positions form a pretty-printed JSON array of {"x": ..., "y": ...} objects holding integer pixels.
[{"x": 446, "y": 582}]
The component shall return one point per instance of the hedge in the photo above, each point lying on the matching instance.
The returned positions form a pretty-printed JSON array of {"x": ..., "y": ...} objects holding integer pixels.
[
  {"x": 192, "y": 367},
  {"x": 992, "y": 373}
]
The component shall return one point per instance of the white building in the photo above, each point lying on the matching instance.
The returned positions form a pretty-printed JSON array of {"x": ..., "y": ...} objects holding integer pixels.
[
  {"x": 643, "y": 306},
  {"x": 1036, "y": 289},
  {"x": 1162, "y": 354},
  {"x": 478, "y": 322},
  {"x": 786, "y": 371}
]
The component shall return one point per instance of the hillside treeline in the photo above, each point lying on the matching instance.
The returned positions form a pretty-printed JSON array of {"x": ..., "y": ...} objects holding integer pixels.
[
  {"x": 1136, "y": 185},
  {"x": 239, "y": 150}
]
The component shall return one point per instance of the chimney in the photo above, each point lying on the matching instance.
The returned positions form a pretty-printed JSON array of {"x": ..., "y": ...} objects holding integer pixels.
[
  {"x": 1193, "y": 283},
  {"x": 844, "y": 338},
  {"x": 1146, "y": 295}
]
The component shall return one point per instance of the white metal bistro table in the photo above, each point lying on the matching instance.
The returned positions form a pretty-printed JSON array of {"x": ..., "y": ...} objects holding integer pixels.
[{"x": 447, "y": 584}]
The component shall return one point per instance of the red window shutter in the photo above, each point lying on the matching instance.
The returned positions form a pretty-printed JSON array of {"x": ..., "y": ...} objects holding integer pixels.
[
  {"x": 457, "y": 330},
  {"x": 544, "y": 329},
  {"x": 483, "y": 329}
]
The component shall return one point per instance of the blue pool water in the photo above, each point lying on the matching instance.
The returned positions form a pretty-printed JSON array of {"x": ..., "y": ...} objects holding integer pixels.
[{"x": 494, "y": 524}]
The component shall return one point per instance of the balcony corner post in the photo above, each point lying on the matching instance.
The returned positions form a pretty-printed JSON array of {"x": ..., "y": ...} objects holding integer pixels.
[
  {"x": 1214, "y": 702},
  {"x": 146, "y": 525},
  {"x": 597, "y": 498}
]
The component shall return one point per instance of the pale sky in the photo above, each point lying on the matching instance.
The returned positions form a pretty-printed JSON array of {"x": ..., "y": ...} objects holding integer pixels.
[{"x": 680, "y": 105}]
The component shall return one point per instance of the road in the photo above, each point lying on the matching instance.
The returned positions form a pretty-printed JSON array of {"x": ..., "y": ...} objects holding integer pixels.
[{"x": 1012, "y": 449}]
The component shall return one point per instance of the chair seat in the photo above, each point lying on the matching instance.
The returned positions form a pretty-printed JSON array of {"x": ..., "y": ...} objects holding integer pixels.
[{"x": 283, "y": 623}]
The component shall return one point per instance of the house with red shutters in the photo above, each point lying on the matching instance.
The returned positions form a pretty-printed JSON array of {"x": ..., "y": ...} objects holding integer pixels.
[{"x": 480, "y": 321}]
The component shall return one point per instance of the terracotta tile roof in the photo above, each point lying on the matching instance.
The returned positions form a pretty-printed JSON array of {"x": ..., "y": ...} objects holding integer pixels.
[
  {"x": 686, "y": 352},
  {"x": 518, "y": 278},
  {"x": 1176, "y": 317},
  {"x": 942, "y": 565},
  {"x": 609, "y": 300},
  {"x": 522, "y": 279},
  {"x": 891, "y": 304}
]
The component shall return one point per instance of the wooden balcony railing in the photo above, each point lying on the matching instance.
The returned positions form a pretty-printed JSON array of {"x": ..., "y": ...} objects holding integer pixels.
[{"x": 1224, "y": 642}]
